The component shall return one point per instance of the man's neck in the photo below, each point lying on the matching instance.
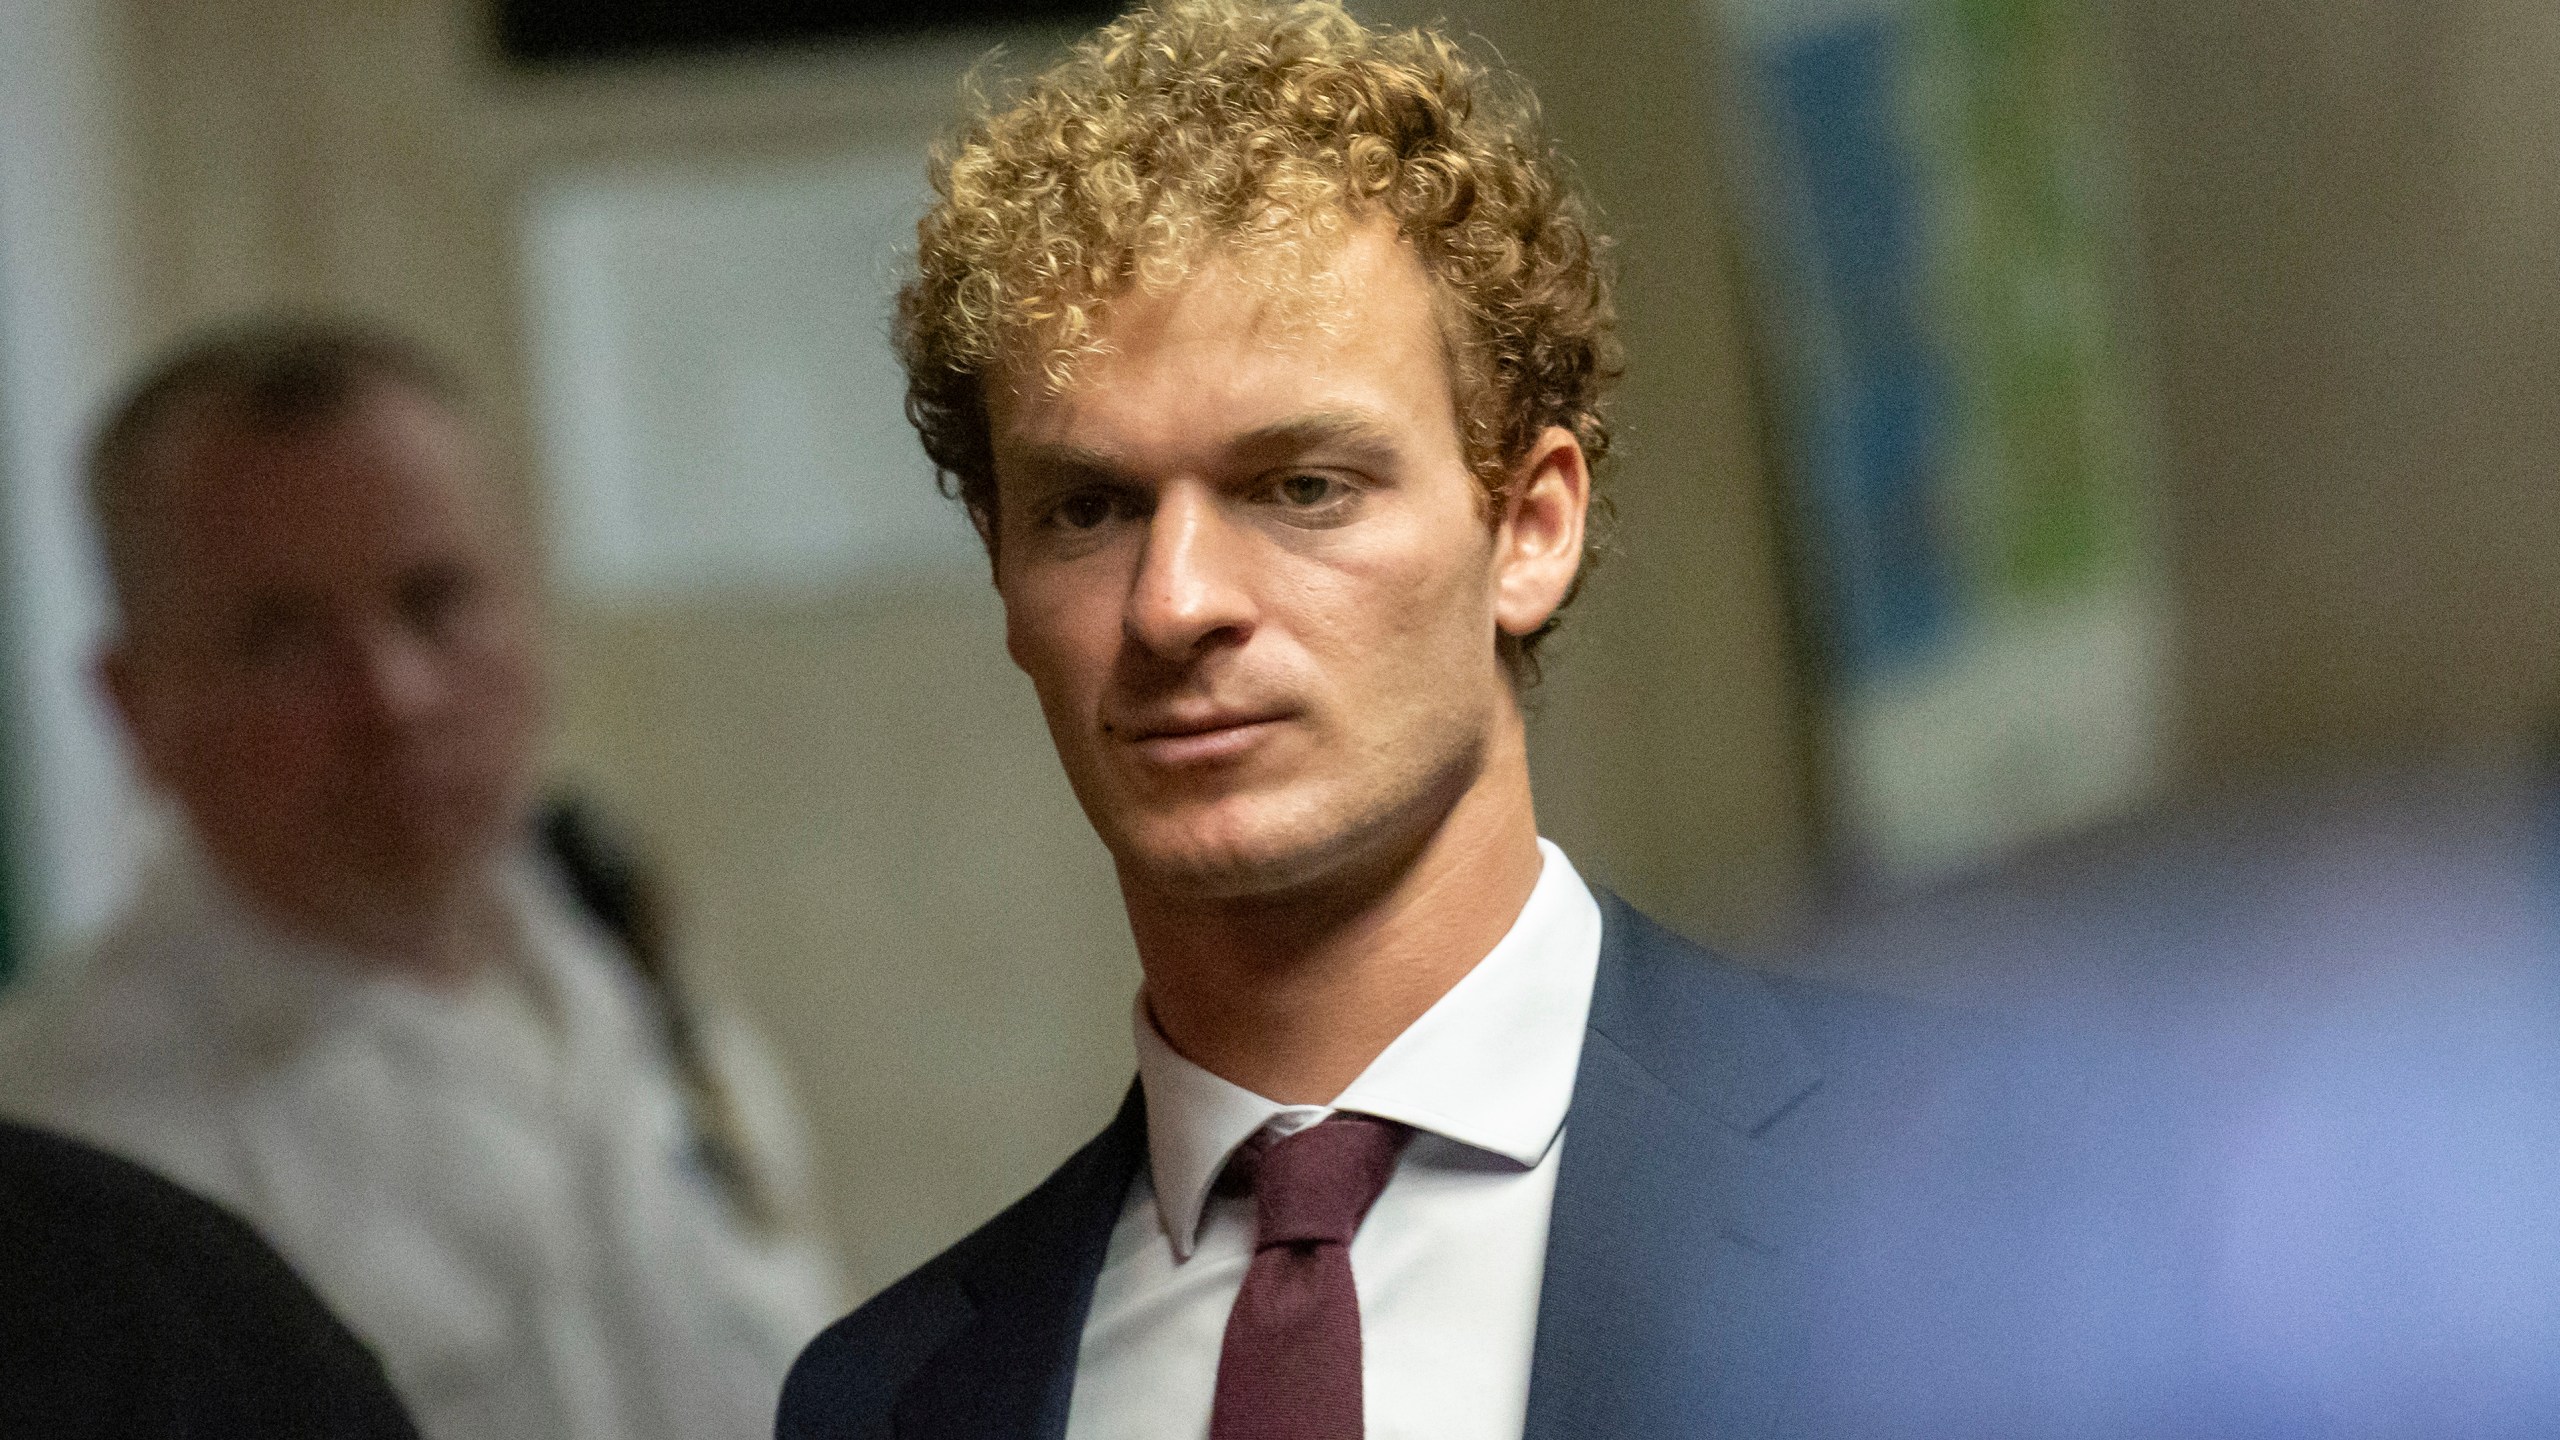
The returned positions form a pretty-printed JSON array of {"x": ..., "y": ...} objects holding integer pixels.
[
  {"x": 1291, "y": 997},
  {"x": 441, "y": 942},
  {"x": 445, "y": 948}
]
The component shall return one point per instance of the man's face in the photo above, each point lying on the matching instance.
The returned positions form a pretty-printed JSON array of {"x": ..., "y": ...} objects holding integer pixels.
[
  {"x": 331, "y": 665},
  {"x": 1253, "y": 581}
]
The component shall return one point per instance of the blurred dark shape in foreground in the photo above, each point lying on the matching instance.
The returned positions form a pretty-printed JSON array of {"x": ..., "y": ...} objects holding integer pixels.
[
  {"x": 135, "y": 1308},
  {"x": 2298, "y": 1166}
]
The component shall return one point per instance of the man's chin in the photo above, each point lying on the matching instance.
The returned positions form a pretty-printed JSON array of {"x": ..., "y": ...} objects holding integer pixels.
[
  {"x": 415, "y": 872},
  {"x": 1274, "y": 842},
  {"x": 1201, "y": 872},
  {"x": 1205, "y": 865}
]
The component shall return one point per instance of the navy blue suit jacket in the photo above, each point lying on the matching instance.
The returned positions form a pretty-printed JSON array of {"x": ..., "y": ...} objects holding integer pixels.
[{"x": 1717, "y": 1122}]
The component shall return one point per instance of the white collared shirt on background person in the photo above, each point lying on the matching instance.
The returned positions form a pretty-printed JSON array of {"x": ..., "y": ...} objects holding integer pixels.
[
  {"x": 495, "y": 1187},
  {"x": 1449, "y": 1261}
]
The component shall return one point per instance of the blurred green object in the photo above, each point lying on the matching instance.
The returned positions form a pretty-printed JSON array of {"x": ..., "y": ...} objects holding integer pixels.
[{"x": 2016, "y": 92}]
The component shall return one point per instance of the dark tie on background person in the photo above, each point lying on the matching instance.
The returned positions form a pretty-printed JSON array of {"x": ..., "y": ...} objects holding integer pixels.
[{"x": 1290, "y": 1365}]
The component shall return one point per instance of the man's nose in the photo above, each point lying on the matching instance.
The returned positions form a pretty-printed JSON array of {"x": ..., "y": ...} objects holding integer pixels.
[
  {"x": 1192, "y": 589},
  {"x": 398, "y": 679}
]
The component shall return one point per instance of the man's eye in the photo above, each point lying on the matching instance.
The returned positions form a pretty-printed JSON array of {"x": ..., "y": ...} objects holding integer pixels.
[
  {"x": 1084, "y": 510},
  {"x": 1310, "y": 494},
  {"x": 429, "y": 597},
  {"x": 1308, "y": 491}
]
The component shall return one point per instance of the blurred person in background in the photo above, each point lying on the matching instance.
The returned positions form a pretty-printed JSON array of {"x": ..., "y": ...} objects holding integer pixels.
[
  {"x": 359, "y": 999},
  {"x": 1266, "y": 352}
]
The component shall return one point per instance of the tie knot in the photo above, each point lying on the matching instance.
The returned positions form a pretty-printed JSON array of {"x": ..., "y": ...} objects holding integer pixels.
[{"x": 1316, "y": 1185}]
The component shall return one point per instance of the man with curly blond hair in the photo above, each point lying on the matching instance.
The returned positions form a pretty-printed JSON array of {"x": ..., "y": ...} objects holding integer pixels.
[{"x": 1267, "y": 353}]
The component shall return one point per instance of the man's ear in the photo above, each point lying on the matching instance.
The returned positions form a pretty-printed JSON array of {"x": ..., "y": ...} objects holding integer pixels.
[
  {"x": 1537, "y": 548},
  {"x": 982, "y": 518},
  {"x": 122, "y": 678}
]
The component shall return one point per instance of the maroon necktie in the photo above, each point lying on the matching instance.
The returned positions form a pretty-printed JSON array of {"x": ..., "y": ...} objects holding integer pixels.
[{"x": 1290, "y": 1368}]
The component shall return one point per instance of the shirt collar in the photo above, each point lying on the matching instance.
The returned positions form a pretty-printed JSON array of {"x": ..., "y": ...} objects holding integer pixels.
[{"x": 1490, "y": 1065}]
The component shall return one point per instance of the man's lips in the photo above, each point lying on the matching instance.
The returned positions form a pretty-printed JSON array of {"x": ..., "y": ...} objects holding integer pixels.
[{"x": 1192, "y": 740}]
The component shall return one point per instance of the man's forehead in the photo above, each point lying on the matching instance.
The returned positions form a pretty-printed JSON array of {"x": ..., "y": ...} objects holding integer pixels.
[
  {"x": 1281, "y": 278},
  {"x": 386, "y": 447},
  {"x": 1269, "y": 353},
  {"x": 386, "y": 478}
]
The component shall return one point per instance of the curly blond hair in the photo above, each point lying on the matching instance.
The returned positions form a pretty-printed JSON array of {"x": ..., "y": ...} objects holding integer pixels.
[{"x": 1257, "y": 133}]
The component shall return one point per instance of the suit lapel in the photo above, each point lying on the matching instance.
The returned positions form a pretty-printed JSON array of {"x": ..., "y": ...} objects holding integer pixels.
[
  {"x": 1661, "y": 1312},
  {"x": 1009, "y": 1374}
]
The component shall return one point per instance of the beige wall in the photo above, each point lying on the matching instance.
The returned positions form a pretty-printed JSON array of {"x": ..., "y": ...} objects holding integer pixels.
[
  {"x": 881, "y": 860},
  {"x": 2349, "y": 213}
]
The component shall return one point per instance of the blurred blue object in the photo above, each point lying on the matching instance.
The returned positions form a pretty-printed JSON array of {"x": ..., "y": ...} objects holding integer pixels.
[
  {"x": 2300, "y": 1171},
  {"x": 1875, "y": 406}
]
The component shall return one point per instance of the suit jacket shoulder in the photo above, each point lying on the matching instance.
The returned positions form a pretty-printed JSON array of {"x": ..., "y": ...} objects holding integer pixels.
[
  {"x": 1766, "y": 1052},
  {"x": 1905, "y": 1220},
  {"x": 1730, "y": 1131}
]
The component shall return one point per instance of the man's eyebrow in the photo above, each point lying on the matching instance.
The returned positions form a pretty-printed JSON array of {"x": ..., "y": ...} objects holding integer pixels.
[
  {"x": 1072, "y": 462},
  {"x": 1366, "y": 436}
]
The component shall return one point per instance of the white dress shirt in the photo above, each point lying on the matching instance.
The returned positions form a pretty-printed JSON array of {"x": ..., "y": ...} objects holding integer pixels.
[
  {"x": 1449, "y": 1262},
  {"x": 494, "y": 1187}
]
